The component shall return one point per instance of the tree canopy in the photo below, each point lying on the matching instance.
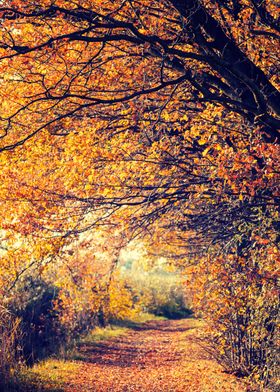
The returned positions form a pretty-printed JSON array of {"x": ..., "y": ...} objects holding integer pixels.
[{"x": 90, "y": 54}]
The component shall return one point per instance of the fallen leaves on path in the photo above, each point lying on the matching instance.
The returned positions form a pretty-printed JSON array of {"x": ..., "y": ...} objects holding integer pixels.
[{"x": 159, "y": 356}]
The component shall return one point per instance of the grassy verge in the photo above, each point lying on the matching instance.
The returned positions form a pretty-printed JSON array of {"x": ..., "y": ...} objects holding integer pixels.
[
  {"x": 116, "y": 329},
  {"x": 107, "y": 333}
]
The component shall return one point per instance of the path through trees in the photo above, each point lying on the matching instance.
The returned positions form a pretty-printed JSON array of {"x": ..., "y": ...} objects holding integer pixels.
[{"x": 157, "y": 356}]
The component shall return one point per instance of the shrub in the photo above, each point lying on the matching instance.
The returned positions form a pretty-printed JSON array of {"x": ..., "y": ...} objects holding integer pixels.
[
  {"x": 160, "y": 293},
  {"x": 174, "y": 306},
  {"x": 42, "y": 333},
  {"x": 10, "y": 349},
  {"x": 240, "y": 300}
]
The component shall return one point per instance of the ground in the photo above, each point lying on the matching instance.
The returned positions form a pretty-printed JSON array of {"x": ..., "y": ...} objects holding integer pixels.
[{"x": 158, "y": 356}]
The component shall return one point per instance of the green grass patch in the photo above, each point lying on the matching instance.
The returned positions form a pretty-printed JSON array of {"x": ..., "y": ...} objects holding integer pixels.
[
  {"x": 138, "y": 320},
  {"x": 107, "y": 333},
  {"x": 48, "y": 375}
]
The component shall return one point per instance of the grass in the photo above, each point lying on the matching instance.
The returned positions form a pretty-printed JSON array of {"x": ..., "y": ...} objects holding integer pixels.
[
  {"x": 117, "y": 328},
  {"x": 48, "y": 375},
  {"x": 107, "y": 333},
  {"x": 137, "y": 321}
]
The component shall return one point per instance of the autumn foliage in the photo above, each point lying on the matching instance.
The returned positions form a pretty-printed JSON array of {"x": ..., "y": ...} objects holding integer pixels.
[{"x": 149, "y": 120}]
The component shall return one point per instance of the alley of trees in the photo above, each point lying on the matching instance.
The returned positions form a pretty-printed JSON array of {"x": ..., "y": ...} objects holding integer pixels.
[{"x": 139, "y": 168}]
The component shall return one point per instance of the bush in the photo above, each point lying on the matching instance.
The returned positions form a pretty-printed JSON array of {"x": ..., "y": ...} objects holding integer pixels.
[
  {"x": 10, "y": 349},
  {"x": 174, "y": 307},
  {"x": 240, "y": 301},
  {"x": 42, "y": 333},
  {"x": 160, "y": 293}
]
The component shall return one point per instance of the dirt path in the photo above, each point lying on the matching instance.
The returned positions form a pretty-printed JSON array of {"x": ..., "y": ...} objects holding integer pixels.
[{"x": 160, "y": 356}]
